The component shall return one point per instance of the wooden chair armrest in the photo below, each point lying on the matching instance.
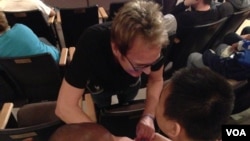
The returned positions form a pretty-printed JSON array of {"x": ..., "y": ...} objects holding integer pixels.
[
  {"x": 102, "y": 13},
  {"x": 71, "y": 53},
  {"x": 5, "y": 114},
  {"x": 58, "y": 17},
  {"x": 63, "y": 56},
  {"x": 90, "y": 107},
  {"x": 51, "y": 19}
]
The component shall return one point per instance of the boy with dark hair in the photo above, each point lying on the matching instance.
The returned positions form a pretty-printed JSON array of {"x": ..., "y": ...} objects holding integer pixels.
[{"x": 194, "y": 104}]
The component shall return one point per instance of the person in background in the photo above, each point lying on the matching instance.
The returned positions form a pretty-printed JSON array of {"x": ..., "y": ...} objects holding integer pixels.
[
  {"x": 109, "y": 60},
  {"x": 215, "y": 3},
  {"x": 239, "y": 4},
  {"x": 20, "y": 40},
  {"x": 171, "y": 24},
  {"x": 245, "y": 30},
  {"x": 167, "y": 5},
  {"x": 197, "y": 12},
  {"x": 189, "y": 14},
  {"x": 193, "y": 105},
  {"x": 27, "y": 5},
  {"x": 230, "y": 59}
]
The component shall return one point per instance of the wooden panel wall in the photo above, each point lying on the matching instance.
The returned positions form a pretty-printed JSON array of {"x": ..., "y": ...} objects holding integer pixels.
[{"x": 67, "y": 3}]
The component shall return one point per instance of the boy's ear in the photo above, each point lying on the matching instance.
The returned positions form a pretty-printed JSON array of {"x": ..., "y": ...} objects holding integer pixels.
[
  {"x": 177, "y": 128},
  {"x": 174, "y": 129}
]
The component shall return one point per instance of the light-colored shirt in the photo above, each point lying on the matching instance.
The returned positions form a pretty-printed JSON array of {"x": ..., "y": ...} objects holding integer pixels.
[
  {"x": 20, "y": 40},
  {"x": 24, "y": 5}
]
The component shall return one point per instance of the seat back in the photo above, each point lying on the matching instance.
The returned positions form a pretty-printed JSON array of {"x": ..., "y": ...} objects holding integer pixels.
[
  {"x": 42, "y": 112},
  {"x": 8, "y": 93},
  {"x": 75, "y": 20},
  {"x": 32, "y": 130},
  {"x": 36, "y": 77},
  {"x": 242, "y": 95},
  {"x": 121, "y": 120},
  {"x": 114, "y": 8},
  {"x": 35, "y": 20},
  {"x": 40, "y": 132},
  {"x": 231, "y": 25},
  {"x": 199, "y": 39}
]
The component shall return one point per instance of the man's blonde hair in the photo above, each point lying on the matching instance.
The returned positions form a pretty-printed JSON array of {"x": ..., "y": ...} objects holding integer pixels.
[
  {"x": 138, "y": 18},
  {"x": 3, "y": 22}
]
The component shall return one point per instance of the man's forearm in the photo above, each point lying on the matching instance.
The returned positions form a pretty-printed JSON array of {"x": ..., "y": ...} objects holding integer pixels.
[
  {"x": 153, "y": 94},
  {"x": 72, "y": 114}
]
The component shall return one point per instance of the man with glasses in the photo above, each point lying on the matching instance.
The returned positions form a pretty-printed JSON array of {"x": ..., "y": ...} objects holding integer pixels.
[{"x": 109, "y": 60}]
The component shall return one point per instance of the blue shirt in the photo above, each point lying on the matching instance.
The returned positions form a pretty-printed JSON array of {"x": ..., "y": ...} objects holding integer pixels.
[
  {"x": 20, "y": 40},
  {"x": 229, "y": 67}
]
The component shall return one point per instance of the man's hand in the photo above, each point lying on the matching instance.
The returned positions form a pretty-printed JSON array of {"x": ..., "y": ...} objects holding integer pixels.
[
  {"x": 234, "y": 47},
  {"x": 145, "y": 130}
]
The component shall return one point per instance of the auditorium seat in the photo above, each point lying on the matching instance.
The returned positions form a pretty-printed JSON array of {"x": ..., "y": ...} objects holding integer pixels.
[
  {"x": 35, "y": 20},
  {"x": 75, "y": 20},
  {"x": 199, "y": 39},
  {"x": 39, "y": 118},
  {"x": 231, "y": 25},
  {"x": 34, "y": 78}
]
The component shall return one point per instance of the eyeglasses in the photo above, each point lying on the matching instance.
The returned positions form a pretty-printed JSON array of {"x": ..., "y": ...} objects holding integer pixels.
[{"x": 140, "y": 68}]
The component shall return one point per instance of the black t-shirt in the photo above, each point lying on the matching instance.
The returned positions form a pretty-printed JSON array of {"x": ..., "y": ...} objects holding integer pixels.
[{"x": 94, "y": 63}]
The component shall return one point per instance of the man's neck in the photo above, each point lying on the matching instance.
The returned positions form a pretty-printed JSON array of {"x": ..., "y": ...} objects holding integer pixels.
[{"x": 202, "y": 7}]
